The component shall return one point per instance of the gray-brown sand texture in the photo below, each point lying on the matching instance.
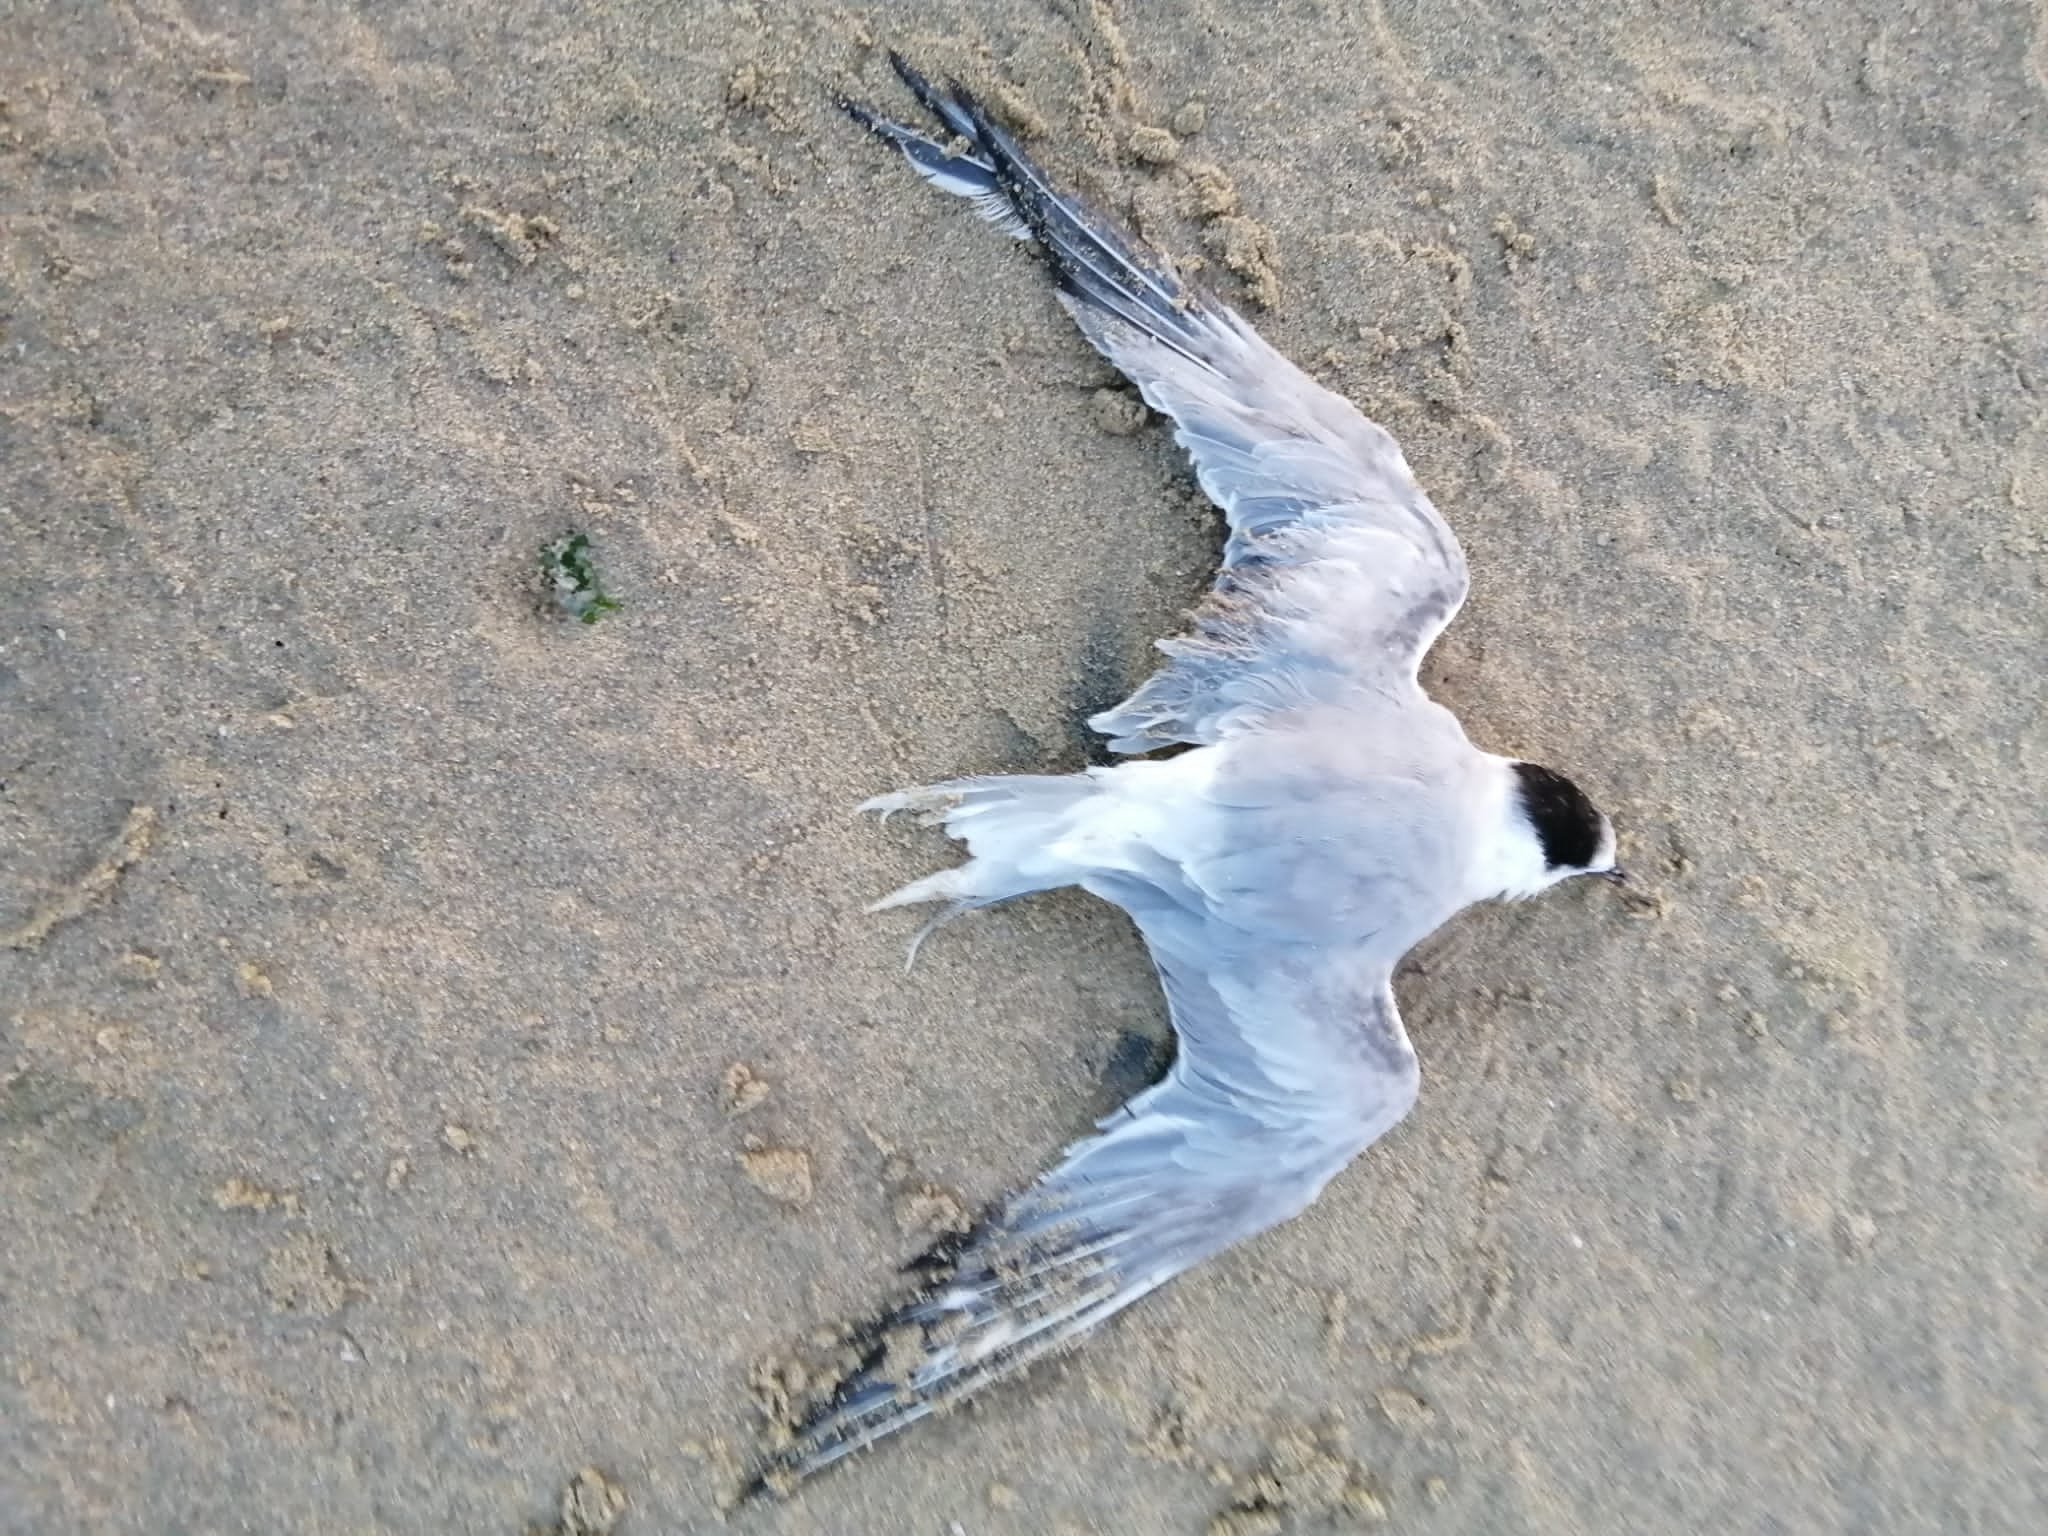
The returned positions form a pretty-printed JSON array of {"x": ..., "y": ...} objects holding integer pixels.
[{"x": 442, "y": 1060}]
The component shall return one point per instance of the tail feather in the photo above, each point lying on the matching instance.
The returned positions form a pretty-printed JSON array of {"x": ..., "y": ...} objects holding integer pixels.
[{"x": 1008, "y": 821}]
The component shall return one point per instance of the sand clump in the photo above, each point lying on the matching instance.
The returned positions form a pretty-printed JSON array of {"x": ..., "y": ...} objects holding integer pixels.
[{"x": 782, "y": 1173}]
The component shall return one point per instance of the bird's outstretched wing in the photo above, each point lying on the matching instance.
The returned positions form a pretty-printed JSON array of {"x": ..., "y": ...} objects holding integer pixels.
[
  {"x": 1285, "y": 1073},
  {"x": 1338, "y": 574}
]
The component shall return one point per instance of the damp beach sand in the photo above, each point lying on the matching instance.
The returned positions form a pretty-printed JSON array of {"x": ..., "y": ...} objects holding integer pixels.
[{"x": 444, "y": 1068}]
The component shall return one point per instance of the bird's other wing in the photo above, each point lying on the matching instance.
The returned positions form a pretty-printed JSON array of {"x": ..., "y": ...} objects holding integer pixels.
[
  {"x": 1284, "y": 1075},
  {"x": 1338, "y": 574}
]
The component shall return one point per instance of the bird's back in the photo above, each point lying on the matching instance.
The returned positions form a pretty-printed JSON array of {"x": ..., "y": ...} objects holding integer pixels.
[{"x": 1341, "y": 827}]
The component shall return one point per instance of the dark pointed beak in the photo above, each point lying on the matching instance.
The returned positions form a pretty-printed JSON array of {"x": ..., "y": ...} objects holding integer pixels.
[{"x": 1615, "y": 876}]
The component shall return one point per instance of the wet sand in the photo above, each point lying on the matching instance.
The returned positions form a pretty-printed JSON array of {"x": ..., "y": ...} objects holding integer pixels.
[{"x": 440, "y": 1046}]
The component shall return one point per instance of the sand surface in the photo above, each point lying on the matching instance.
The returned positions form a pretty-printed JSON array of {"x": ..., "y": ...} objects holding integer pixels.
[{"x": 440, "y": 1047}]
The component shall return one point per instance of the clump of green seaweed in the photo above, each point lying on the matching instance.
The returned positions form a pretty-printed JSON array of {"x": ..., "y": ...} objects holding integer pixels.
[{"x": 571, "y": 579}]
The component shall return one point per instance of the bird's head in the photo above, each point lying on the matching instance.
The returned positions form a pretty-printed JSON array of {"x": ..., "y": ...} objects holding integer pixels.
[{"x": 1554, "y": 834}]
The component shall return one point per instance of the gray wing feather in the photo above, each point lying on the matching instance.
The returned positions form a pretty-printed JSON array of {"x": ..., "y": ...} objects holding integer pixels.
[
  {"x": 959, "y": 173},
  {"x": 1338, "y": 574},
  {"x": 1284, "y": 1075}
]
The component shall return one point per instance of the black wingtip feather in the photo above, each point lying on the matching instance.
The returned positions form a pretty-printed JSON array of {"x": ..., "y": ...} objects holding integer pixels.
[
  {"x": 1099, "y": 265},
  {"x": 814, "y": 1439},
  {"x": 946, "y": 107},
  {"x": 908, "y": 73},
  {"x": 941, "y": 1260}
]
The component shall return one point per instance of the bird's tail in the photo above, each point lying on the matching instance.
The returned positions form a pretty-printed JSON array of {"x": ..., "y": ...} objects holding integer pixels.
[{"x": 1010, "y": 823}]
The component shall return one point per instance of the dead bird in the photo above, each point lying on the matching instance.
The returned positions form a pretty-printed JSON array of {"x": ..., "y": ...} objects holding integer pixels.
[{"x": 1325, "y": 817}]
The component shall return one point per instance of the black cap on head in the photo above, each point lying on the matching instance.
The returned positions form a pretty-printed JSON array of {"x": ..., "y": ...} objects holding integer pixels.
[{"x": 1566, "y": 823}]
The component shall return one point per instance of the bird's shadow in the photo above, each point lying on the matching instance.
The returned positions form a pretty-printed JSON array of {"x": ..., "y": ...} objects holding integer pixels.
[{"x": 1096, "y": 683}]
